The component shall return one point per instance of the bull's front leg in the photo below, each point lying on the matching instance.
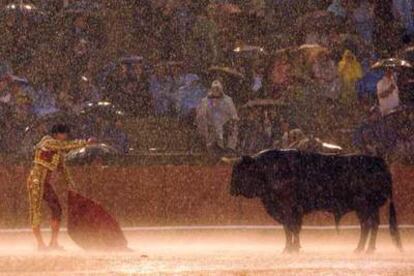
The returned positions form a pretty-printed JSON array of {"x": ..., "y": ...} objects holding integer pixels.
[
  {"x": 364, "y": 233},
  {"x": 292, "y": 231},
  {"x": 374, "y": 221},
  {"x": 296, "y": 239}
]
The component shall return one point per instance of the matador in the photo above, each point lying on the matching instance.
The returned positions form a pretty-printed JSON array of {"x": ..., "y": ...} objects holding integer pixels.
[{"x": 49, "y": 157}]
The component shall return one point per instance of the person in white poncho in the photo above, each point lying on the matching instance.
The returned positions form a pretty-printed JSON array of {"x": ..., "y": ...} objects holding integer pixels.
[
  {"x": 388, "y": 93},
  {"x": 217, "y": 118}
]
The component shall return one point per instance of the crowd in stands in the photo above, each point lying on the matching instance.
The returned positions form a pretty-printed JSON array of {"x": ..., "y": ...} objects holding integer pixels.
[{"x": 242, "y": 75}]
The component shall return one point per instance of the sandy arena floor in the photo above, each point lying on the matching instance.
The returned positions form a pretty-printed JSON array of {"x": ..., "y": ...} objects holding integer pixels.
[{"x": 212, "y": 252}]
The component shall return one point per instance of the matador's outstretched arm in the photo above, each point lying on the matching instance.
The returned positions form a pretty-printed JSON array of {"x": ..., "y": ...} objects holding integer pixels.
[{"x": 56, "y": 145}]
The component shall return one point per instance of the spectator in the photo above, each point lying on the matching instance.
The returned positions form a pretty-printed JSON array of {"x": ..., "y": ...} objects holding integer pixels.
[
  {"x": 280, "y": 77},
  {"x": 5, "y": 80},
  {"x": 65, "y": 99},
  {"x": 183, "y": 21},
  {"x": 164, "y": 87},
  {"x": 293, "y": 139},
  {"x": 129, "y": 88},
  {"x": 216, "y": 113},
  {"x": 160, "y": 88},
  {"x": 257, "y": 88},
  {"x": 87, "y": 25},
  {"x": 403, "y": 11},
  {"x": 249, "y": 128},
  {"x": 86, "y": 93},
  {"x": 367, "y": 86},
  {"x": 285, "y": 128},
  {"x": 115, "y": 136},
  {"x": 136, "y": 99},
  {"x": 364, "y": 136},
  {"x": 386, "y": 33},
  {"x": 177, "y": 75},
  {"x": 256, "y": 131},
  {"x": 363, "y": 18},
  {"x": 204, "y": 40},
  {"x": 337, "y": 9},
  {"x": 350, "y": 71},
  {"x": 405, "y": 84},
  {"x": 44, "y": 101},
  {"x": 327, "y": 77},
  {"x": 388, "y": 93},
  {"x": 190, "y": 95}
]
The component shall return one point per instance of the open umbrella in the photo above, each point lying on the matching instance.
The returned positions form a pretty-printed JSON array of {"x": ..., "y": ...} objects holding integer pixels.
[
  {"x": 97, "y": 115},
  {"x": 227, "y": 71},
  {"x": 304, "y": 52},
  {"x": 311, "y": 52},
  {"x": 393, "y": 63},
  {"x": 103, "y": 110},
  {"x": 82, "y": 7},
  {"x": 131, "y": 59},
  {"x": 249, "y": 49},
  {"x": 91, "y": 227},
  {"x": 23, "y": 9},
  {"x": 229, "y": 8},
  {"x": 407, "y": 54},
  {"x": 22, "y": 16},
  {"x": 262, "y": 103},
  {"x": 86, "y": 155}
]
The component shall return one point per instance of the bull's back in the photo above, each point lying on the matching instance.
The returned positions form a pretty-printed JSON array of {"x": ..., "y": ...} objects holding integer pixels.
[
  {"x": 346, "y": 179},
  {"x": 327, "y": 180},
  {"x": 330, "y": 169}
]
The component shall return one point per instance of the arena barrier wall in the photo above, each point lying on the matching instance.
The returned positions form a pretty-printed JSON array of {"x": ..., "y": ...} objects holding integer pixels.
[{"x": 170, "y": 195}]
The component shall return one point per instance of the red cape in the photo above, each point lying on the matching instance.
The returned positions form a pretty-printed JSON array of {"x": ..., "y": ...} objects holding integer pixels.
[{"x": 91, "y": 227}]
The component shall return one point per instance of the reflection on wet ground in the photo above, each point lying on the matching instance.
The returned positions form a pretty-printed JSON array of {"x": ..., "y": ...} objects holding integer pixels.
[{"x": 212, "y": 252}]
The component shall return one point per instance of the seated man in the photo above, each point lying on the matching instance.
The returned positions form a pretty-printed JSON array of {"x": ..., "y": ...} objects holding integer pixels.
[{"x": 216, "y": 113}]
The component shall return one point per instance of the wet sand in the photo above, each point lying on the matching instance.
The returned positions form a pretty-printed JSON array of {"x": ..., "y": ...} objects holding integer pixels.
[{"x": 212, "y": 252}]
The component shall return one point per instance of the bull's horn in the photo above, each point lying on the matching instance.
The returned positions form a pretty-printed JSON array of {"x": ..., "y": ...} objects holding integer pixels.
[{"x": 228, "y": 160}]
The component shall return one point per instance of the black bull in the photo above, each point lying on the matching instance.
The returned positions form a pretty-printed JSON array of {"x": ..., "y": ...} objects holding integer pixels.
[{"x": 293, "y": 183}]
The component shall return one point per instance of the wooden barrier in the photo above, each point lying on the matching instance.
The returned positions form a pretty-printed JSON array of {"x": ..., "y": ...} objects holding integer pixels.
[{"x": 173, "y": 195}]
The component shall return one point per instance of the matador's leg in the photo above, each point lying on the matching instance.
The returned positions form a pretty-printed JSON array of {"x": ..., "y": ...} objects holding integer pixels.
[
  {"x": 68, "y": 177},
  {"x": 35, "y": 185},
  {"x": 52, "y": 200}
]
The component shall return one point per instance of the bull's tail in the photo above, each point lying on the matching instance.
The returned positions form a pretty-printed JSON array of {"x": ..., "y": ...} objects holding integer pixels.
[{"x": 394, "y": 231}]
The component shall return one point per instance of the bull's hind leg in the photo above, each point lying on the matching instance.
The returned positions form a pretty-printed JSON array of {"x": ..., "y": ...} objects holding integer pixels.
[
  {"x": 363, "y": 219},
  {"x": 373, "y": 224},
  {"x": 296, "y": 236},
  {"x": 289, "y": 240},
  {"x": 296, "y": 241}
]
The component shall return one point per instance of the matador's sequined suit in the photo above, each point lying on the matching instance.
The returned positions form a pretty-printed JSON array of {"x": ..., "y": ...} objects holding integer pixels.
[{"x": 49, "y": 156}]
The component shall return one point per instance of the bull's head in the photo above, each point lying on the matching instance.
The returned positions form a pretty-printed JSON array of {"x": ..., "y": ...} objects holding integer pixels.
[{"x": 247, "y": 178}]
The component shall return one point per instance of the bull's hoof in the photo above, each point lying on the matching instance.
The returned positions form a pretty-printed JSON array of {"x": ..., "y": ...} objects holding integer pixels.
[
  {"x": 291, "y": 250},
  {"x": 400, "y": 249},
  {"x": 370, "y": 251},
  {"x": 358, "y": 250}
]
